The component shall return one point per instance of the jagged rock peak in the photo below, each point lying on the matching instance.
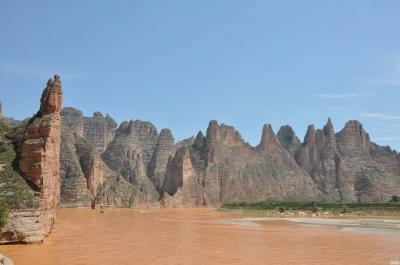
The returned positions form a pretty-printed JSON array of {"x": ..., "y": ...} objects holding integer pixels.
[
  {"x": 329, "y": 133},
  {"x": 51, "y": 100},
  {"x": 268, "y": 137},
  {"x": 329, "y": 125},
  {"x": 222, "y": 133},
  {"x": 310, "y": 134},
  {"x": 286, "y": 131},
  {"x": 288, "y": 139},
  {"x": 39, "y": 153},
  {"x": 353, "y": 136},
  {"x": 185, "y": 142},
  {"x": 165, "y": 133},
  {"x": 200, "y": 140}
]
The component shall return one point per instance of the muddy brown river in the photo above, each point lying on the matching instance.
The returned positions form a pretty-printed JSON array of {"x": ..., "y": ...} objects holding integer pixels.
[{"x": 197, "y": 237}]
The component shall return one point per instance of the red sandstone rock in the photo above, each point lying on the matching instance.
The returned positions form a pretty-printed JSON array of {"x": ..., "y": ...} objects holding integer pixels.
[{"x": 39, "y": 161}]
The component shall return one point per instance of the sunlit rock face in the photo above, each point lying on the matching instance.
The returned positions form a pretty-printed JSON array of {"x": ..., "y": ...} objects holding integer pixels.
[
  {"x": 222, "y": 167},
  {"x": 348, "y": 166},
  {"x": 319, "y": 156},
  {"x": 165, "y": 148},
  {"x": 38, "y": 147}
]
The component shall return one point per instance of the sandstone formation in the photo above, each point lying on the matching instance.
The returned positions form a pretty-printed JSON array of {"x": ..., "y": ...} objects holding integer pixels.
[
  {"x": 99, "y": 130},
  {"x": 129, "y": 154},
  {"x": 135, "y": 166},
  {"x": 348, "y": 166},
  {"x": 165, "y": 148},
  {"x": 368, "y": 172},
  {"x": 222, "y": 167},
  {"x": 320, "y": 158},
  {"x": 182, "y": 186},
  {"x": 83, "y": 140},
  {"x": 102, "y": 165},
  {"x": 138, "y": 165},
  {"x": 287, "y": 137},
  {"x": 38, "y": 149}
]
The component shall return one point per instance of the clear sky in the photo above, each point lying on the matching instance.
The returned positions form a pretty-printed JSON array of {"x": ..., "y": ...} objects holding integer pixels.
[{"x": 182, "y": 63}]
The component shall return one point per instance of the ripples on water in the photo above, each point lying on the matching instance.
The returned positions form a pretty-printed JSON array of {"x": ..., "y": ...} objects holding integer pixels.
[{"x": 196, "y": 236}]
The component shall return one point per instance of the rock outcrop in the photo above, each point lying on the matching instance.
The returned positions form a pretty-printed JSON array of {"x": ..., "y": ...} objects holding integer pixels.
[
  {"x": 368, "y": 172},
  {"x": 348, "y": 166},
  {"x": 134, "y": 166},
  {"x": 39, "y": 165},
  {"x": 99, "y": 130},
  {"x": 182, "y": 186},
  {"x": 222, "y": 167},
  {"x": 128, "y": 155},
  {"x": 288, "y": 139},
  {"x": 320, "y": 158},
  {"x": 83, "y": 140},
  {"x": 158, "y": 165}
]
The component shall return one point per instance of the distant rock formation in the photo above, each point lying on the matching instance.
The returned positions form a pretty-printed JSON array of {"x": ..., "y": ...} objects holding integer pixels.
[
  {"x": 287, "y": 137},
  {"x": 39, "y": 165},
  {"x": 99, "y": 130},
  {"x": 164, "y": 149},
  {"x": 221, "y": 167},
  {"x": 140, "y": 167},
  {"x": 348, "y": 166},
  {"x": 83, "y": 141},
  {"x": 132, "y": 165}
]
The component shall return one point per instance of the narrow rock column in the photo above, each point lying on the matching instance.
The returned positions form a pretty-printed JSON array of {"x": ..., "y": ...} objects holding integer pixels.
[{"x": 39, "y": 161}]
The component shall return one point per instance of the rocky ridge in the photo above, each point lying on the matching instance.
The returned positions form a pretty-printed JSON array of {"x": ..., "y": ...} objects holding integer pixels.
[
  {"x": 132, "y": 165},
  {"x": 144, "y": 167}
]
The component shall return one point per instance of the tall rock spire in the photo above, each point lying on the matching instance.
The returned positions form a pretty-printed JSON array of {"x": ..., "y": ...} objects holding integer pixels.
[
  {"x": 268, "y": 138},
  {"x": 320, "y": 158},
  {"x": 39, "y": 161},
  {"x": 51, "y": 101}
]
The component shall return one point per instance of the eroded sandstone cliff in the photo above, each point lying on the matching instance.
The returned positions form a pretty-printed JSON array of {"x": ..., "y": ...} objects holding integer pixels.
[
  {"x": 38, "y": 163},
  {"x": 348, "y": 166},
  {"x": 222, "y": 167}
]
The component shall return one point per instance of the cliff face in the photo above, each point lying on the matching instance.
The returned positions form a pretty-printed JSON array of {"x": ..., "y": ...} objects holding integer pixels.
[
  {"x": 39, "y": 165},
  {"x": 183, "y": 186},
  {"x": 221, "y": 167},
  {"x": 134, "y": 166},
  {"x": 348, "y": 166},
  {"x": 287, "y": 137},
  {"x": 165, "y": 148},
  {"x": 83, "y": 141},
  {"x": 129, "y": 154},
  {"x": 102, "y": 165},
  {"x": 99, "y": 131},
  {"x": 320, "y": 158},
  {"x": 368, "y": 171}
]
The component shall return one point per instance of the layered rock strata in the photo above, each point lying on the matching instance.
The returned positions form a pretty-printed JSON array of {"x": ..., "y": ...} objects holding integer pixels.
[
  {"x": 347, "y": 166},
  {"x": 222, "y": 167},
  {"x": 39, "y": 165}
]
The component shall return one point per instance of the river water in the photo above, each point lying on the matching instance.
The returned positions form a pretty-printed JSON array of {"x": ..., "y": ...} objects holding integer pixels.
[{"x": 197, "y": 237}]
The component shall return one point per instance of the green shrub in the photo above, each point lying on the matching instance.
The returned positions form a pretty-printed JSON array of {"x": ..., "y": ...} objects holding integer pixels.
[
  {"x": 395, "y": 198},
  {"x": 3, "y": 214}
]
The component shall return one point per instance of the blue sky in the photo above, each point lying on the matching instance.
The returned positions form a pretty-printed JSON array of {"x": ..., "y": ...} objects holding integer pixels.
[{"x": 182, "y": 63}]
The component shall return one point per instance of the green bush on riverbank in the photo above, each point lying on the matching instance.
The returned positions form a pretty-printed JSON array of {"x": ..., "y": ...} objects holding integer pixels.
[
  {"x": 3, "y": 215},
  {"x": 315, "y": 206}
]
